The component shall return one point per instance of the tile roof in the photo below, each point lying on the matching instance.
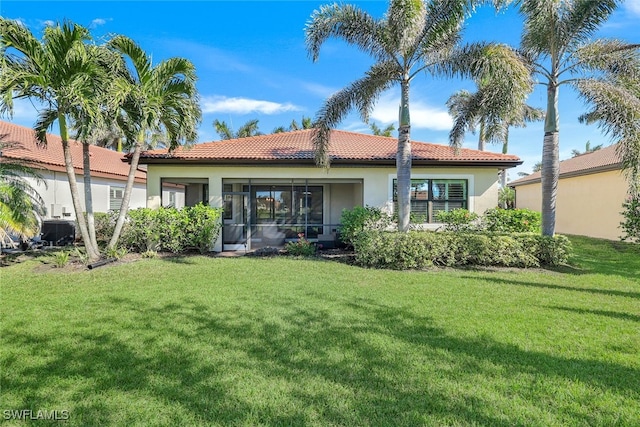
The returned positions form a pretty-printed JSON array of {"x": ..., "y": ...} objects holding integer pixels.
[
  {"x": 345, "y": 148},
  {"x": 22, "y": 145},
  {"x": 596, "y": 161}
]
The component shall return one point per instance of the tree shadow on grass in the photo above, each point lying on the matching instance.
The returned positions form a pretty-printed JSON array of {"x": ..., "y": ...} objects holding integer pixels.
[
  {"x": 324, "y": 362},
  {"x": 607, "y": 292},
  {"x": 606, "y": 313}
]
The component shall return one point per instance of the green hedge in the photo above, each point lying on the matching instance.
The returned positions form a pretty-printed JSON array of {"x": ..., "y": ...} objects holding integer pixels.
[
  {"x": 423, "y": 249},
  {"x": 164, "y": 229}
]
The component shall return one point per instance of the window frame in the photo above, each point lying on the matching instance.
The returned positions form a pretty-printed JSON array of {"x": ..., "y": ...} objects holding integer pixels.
[{"x": 429, "y": 212}]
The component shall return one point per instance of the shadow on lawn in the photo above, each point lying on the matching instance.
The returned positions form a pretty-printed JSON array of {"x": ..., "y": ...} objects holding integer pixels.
[
  {"x": 342, "y": 362},
  {"x": 607, "y": 292}
]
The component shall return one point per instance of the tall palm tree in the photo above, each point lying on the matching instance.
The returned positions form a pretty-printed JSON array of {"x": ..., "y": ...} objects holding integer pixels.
[
  {"x": 250, "y": 128},
  {"x": 557, "y": 42},
  {"x": 153, "y": 100},
  {"x": 63, "y": 74},
  {"x": 414, "y": 37},
  {"x": 21, "y": 206},
  {"x": 468, "y": 111}
]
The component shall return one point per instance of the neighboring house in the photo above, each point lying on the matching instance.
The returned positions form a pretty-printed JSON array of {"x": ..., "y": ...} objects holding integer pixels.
[
  {"x": 591, "y": 190},
  {"x": 108, "y": 172},
  {"x": 272, "y": 190}
]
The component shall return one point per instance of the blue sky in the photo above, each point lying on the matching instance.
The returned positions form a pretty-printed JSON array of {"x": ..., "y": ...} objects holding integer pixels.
[{"x": 252, "y": 64}]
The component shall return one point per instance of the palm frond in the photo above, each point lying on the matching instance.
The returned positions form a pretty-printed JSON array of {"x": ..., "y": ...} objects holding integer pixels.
[
  {"x": 345, "y": 22},
  {"x": 361, "y": 95}
]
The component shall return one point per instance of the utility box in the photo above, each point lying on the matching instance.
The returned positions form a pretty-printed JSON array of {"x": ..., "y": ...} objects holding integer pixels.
[{"x": 57, "y": 232}]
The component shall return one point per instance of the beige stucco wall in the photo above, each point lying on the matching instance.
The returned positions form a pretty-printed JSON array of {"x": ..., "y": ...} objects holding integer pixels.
[
  {"x": 586, "y": 205},
  {"x": 376, "y": 189}
]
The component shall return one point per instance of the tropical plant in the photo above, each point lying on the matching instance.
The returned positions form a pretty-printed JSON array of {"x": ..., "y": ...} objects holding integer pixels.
[
  {"x": 64, "y": 74},
  {"x": 152, "y": 100},
  {"x": 507, "y": 197},
  {"x": 376, "y": 130},
  {"x": 250, "y": 128},
  {"x": 616, "y": 108},
  {"x": 21, "y": 207},
  {"x": 414, "y": 37},
  {"x": 587, "y": 149},
  {"x": 306, "y": 123},
  {"x": 557, "y": 43}
]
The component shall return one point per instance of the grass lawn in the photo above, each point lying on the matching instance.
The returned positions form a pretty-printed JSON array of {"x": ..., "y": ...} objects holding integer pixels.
[{"x": 282, "y": 341}]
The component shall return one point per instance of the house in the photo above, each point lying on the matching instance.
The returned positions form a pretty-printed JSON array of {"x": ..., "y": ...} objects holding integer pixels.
[
  {"x": 591, "y": 190},
  {"x": 271, "y": 189},
  {"x": 108, "y": 172}
]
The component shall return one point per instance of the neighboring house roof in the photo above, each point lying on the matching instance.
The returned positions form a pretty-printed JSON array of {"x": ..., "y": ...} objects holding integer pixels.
[
  {"x": 345, "y": 148},
  {"x": 22, "y": 145},
  {"x": 605, "y": 159}
]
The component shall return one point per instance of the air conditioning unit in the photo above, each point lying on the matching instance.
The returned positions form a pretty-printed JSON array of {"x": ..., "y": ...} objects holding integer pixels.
[{"x": 56, "y": 210}]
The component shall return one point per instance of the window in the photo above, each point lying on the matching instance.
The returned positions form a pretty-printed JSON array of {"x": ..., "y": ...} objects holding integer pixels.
[
  {"x": 430, "y": 196},
  {"x": 115, "y": 198}
]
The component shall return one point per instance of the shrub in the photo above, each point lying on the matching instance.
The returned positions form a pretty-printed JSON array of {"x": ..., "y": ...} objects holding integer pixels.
[
  {"x": 457, "y": 219},
  {"x": 423, "y": 249},
  {"x": 302, "y": 247},
  {"x": 173, "y": 230},
  {"x": 361, "y": 218},
  {"x": 105, "y": 223},
  {"x": 499, "y": 220},
  {"x": 631, "y": 224}
]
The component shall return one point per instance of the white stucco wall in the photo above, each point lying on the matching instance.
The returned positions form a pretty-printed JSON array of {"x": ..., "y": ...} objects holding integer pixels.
[
  {"x": 377, "y": 187},
  {"x": 57, "y": 195}
]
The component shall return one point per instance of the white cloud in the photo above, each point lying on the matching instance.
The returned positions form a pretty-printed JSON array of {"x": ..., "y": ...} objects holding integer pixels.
[
  {"x": 222, "y": 104},
  {"x": 97, "y": 22},
  {"x": 633, "y": 6},
  {"x": 423, "y": 116}
]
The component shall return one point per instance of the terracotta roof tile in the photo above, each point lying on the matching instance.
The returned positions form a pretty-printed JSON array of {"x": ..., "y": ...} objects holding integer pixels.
[
  {"x": 23, "y": 146},
  {"x": 344, "y": 147},
  {"x": 604, "y": 159}
]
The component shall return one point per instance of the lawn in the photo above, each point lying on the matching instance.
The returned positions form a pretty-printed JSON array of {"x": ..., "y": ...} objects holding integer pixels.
[{"x": 282, "y": 341}]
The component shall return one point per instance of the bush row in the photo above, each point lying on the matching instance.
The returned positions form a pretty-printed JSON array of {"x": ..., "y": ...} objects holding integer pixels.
[
  {"x": 423, "y": 249},
  {"x": 164, "y": 229}
]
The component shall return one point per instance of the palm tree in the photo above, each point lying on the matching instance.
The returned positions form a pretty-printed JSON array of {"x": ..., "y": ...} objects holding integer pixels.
[
  {"x": 250, "y": 128},
  {"x": 468, "y": 111},
  {"x": 587, "y": 149},
  {"x": 306, "y": 123},
  {"x": 64, "y": 75},
  {"x": 153, "y": 100},
  {"x": 376, "y": 130},
  {"x": 414, "y": 37},
  {"x": 616, "y": 107},
  {"x": 557, "y": 42},
  {"x": 21, "y": 207}
]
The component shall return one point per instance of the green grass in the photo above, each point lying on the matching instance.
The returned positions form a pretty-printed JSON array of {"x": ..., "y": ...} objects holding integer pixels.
[{"x": 282, "y": 341}]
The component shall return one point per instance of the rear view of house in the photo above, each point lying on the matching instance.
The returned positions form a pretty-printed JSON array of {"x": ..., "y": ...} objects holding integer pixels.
[{"x": 272, "y": 191}]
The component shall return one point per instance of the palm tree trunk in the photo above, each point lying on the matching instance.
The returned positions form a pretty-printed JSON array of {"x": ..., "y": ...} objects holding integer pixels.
[
  {"x": 482, "y": 143},
  {"x": 73, "y": 186},
  {"x": 126, "y": 197},
  {"x": 505, "y": 149},
  {"x": 88, "y": 199},
  {"x": 403, "y": 160},
  {"x": 550, "y": 162}
]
